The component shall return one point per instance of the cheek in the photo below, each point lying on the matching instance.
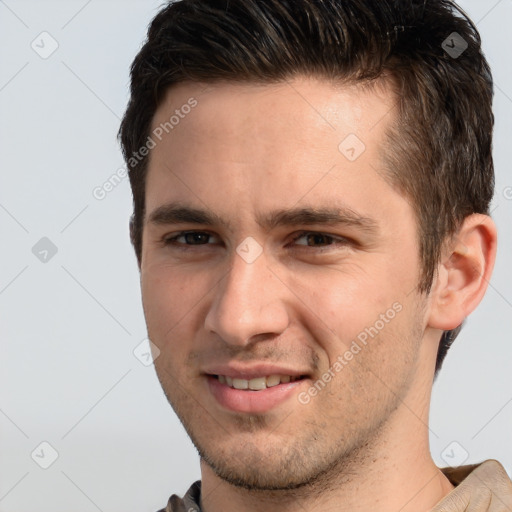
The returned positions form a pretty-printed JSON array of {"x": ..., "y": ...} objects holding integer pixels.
[
  {"x": 169, "y": 304},
  {"x": 373, "y": 358},
  {"x": 346, "y": 303},
  {"x": 361, "y": 332},
  {"x": 169, "y": 301}
]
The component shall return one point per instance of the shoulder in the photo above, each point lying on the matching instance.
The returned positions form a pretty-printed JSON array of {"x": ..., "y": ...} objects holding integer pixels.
[
  {"x": 189, "y": 503},
  {"x": 484, "y": 487}
]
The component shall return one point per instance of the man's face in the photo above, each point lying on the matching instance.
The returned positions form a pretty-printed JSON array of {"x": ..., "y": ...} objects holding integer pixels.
[{"x": 275, "y": 257}]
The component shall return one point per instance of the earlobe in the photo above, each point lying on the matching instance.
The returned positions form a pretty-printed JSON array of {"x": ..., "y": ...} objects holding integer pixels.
[{"x": 464, "y": 272}]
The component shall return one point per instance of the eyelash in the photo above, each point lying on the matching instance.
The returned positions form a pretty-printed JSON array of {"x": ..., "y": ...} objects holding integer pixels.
[{"x": 335, "y": 240}]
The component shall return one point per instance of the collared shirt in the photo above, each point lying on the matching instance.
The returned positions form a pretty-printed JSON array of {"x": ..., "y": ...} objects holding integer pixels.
[{"x": 483, "y": 487}]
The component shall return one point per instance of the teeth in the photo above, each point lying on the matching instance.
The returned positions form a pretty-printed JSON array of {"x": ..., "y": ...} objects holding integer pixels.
[
  {"x": 273, "y": 380},
  {"x": 240, "y": 383},
  {"x": 258, "y": 383}
]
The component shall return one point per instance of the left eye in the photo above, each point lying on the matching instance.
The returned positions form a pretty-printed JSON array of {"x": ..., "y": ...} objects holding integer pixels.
[{"x": 316, "y": 239}]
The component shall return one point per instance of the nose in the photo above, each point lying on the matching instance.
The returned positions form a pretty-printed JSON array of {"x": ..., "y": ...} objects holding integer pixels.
[{"x": 248, "y": 304}]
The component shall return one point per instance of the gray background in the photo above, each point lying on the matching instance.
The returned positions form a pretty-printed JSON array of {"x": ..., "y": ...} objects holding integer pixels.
[{"x": 70, "y": 323}]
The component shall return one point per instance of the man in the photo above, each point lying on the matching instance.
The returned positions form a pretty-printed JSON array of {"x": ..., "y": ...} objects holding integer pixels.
[{"x": 311, "y": 183}]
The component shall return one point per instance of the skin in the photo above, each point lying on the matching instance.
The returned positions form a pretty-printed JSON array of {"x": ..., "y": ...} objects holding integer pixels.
[{"x": 243, "y": 153}]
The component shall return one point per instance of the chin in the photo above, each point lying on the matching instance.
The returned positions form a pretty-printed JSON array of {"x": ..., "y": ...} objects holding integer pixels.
[
  {"x": 269, "y": 466},
  {"x": 259, "y": 478}
]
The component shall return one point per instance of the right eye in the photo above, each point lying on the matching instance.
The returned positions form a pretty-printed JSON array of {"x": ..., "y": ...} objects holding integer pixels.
[{"x": 191, "y": 238}]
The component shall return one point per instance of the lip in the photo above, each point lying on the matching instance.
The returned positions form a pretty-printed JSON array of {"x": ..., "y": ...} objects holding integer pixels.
[
  {"x": 252, "y": 371},
  {"x": 248, "y": 401}
]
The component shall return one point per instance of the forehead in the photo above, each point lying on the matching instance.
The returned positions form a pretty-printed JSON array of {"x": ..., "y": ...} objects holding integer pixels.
[
  {"x": 272, "y": 143},
  {"x": 303, "y": 105}
]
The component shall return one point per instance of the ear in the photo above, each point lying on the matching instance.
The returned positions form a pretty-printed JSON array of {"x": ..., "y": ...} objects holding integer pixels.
[{"x": 463, "y": 273}]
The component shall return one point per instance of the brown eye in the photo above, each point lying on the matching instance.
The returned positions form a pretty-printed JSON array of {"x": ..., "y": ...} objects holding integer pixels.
[
  {"x": 314, "y": 239},
  {"x": 196, "y": 238},
  {"x": 191, "y": 238}
]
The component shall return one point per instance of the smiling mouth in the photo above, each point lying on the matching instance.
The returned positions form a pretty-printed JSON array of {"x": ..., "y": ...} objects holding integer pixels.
[{"x": 257, "y": 383}]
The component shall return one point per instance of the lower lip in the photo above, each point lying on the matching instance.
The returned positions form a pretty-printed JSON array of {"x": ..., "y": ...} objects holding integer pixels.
[{"x": 255, "y": 402}]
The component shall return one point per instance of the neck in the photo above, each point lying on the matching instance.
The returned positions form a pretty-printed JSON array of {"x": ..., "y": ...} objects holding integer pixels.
[
  {"x": 406, "y": 480},
  {"x": 393, "y": 472}
]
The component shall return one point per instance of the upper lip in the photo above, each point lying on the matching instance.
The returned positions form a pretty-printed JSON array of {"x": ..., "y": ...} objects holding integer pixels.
[{"x": 252, "y": 371}]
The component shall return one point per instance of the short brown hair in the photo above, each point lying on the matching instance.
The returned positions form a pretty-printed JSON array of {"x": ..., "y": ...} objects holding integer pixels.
[{"x": 439, "y": 149}]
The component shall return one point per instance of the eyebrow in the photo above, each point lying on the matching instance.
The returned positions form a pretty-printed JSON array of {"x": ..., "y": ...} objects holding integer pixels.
[{"x": 174, "y": 213}]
